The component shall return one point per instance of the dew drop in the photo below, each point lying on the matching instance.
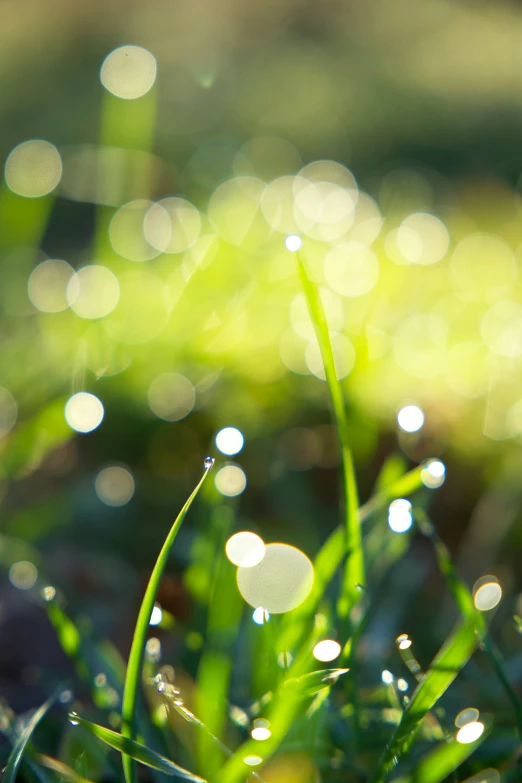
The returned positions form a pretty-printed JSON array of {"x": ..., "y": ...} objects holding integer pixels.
[
  {"x": 209, "y": 462},
  {"x": 73, "y": 719},
  {"x": 48, "y": 593}
]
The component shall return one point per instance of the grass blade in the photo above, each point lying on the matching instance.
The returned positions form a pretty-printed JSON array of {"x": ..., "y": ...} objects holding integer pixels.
[
  {"x": 331, "y": 554},
  {"x": 464, "y": 600},
  {"x": 451, "y": 658},
  {"x": 135, "y": 750},
  {"x": 442, "y": 761},
  {"x": 215, "y": 666},
  {"x": 354, "y": 573},
  {"x": 20, "y": 746},
  {"x": 62, "y": 769},
  {"x": 134, "y": 667},
  {"x": 283, "y": 709}
]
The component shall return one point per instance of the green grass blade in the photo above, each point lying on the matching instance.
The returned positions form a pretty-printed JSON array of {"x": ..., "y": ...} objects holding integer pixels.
[
  {"x": 451, "y": 658},
  {"x": 215, "y": 667},
  {"x": 331, "y": 554},
  {"x": 354, "y": 573},
  {"x": 89, "y": 655},
  {"x": 282, "y": 710},
  {"x": 135, "y": 750},
  {"x": 442, "y": 761},
  {"x": 311, "y": 683},
  {"x": 20, "y": 746},
  {"x": 134, "y": 667},
  {"x": 464, "y": 600}
]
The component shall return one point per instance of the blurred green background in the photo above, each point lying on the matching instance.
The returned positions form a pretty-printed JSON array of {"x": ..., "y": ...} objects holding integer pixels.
[{"x": 190, "y": 319}]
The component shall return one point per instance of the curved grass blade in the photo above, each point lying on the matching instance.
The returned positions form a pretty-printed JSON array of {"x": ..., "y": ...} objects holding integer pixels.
[
  {"x": 133, "y": 676},
  {"x": 20, "y": 745},
  {"x": 464, "y": 600},
  {"x": 442, "y": 761},
  {"x": 135, "y": 750},
  {"x": 354, "y": 574},
  {"x": 451, "y": 658}
]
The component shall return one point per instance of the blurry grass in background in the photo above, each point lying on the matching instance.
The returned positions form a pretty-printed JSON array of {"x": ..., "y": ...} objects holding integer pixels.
[{"x": 178, "y": 312}]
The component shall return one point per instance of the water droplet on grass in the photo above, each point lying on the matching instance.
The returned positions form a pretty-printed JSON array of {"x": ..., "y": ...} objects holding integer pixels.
[
  {"x": 73, "y": 719},
  {"x": 209, "y": 461}
]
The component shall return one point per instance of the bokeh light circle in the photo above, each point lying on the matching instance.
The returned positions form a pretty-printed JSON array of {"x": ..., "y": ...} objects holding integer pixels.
[
  {"x": 422, "y": 239},
  {"x": 231, "y": 481},
  {"x": 114, "y": 485},
  {"x": 129, "y": 72},
  {"x": 400, "y": 518},
  {"x": 93, "y": 292},
  {"x": 501, "y": 328},
  {"x": 327, "y": 650},
  {"x": 47, "y": 286},
  {"x": 471, "y": 732},
  {"x": 171, "y": 396},
  {"x": 487, "y": 593},
  {"x": 483, "y": 267},
  {"x": 245, "y": 549},
  {"x": 433, "y": 474},
  {"x": 172, "y": 225},
  {"x": 468, "y": 715},
  {"x": 282, "y": 580},
  {"x": 33, "y": 168},
  {"x": 410, "y": 418},
  {"x": 23, "y": 575},
  {"x": 230, "y": 441},
  {"x": 351, "y": 269},
  {"x": 126, "y": 231},
  {"x": 84, "y": 412},
  {"x": 343, "y": 353},
  {"x": 293, "y": 243}
]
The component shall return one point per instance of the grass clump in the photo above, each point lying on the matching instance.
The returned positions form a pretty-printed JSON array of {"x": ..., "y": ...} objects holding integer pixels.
[{"x": 350, "y": 722}]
